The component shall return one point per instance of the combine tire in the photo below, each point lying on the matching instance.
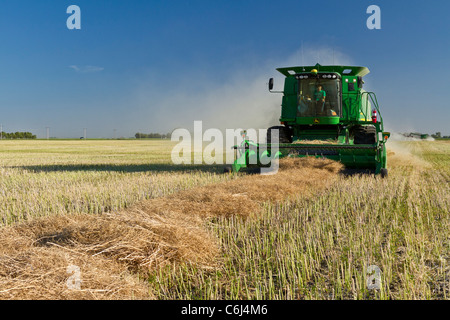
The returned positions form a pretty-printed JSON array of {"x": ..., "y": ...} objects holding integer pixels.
[
  {"x": 364, "y": 135},
  {"x": 283, "y": 132},
  {"x": 227, "y": 169},
  {"x": 384, "y": 172}
]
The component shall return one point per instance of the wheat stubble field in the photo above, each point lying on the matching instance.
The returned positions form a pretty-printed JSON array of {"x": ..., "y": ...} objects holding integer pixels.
[{"x": 137, "y": 227}]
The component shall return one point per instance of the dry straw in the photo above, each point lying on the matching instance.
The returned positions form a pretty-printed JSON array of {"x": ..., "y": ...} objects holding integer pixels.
[{"x": 116, "y": 251}]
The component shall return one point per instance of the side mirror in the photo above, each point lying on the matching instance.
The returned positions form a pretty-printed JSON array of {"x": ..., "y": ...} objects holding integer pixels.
[
  {"x": 270, "y": 84},
  {"x": 360, "y": 82}
]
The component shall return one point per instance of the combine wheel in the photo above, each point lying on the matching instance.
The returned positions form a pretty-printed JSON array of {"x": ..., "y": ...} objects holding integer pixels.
[
  {"x": 384, "y": 172},
  {"x": 227, "y": 169},
  {"x": 365, "y": 135},
  {"x": 283, "y": 132}
]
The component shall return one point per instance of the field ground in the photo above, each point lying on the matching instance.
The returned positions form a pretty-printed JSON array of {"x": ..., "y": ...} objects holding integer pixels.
[
  {"x": 40, "y": 178},
  {"x": 139, "y": 227}
]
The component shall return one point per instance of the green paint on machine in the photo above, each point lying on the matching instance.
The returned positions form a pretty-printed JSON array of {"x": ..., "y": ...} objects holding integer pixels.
[{"x": 325, "y": 112}]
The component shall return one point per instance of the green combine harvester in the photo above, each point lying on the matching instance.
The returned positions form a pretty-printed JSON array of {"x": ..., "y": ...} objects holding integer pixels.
[{"x": 326, "y": 113}]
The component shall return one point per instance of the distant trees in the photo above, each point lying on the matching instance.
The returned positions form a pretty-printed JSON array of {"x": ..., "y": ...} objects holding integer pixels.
[
  {"x": 152, "y": 136},
  {"x": 18, "y": 135},
  {"x": 438, "y": 135}
]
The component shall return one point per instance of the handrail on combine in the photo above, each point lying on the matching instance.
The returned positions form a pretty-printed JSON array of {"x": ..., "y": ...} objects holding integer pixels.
[{"x": 373, "y": 99}]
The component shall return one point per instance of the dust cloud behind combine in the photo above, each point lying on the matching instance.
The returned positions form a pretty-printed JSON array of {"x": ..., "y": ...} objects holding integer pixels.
[
  {"x": 402, "y": 154},
  {"x": 238, "y": 100}
]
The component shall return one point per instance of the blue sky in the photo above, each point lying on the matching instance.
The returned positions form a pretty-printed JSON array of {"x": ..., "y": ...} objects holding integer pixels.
[{"x": 153, "y": 66}]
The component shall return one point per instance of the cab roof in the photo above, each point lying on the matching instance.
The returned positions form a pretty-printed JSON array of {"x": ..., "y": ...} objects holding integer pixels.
[{"x": 342, "y": 70}]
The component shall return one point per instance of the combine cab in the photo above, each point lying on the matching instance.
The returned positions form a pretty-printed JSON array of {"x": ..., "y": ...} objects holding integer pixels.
[{"x": 325, "y": 112}]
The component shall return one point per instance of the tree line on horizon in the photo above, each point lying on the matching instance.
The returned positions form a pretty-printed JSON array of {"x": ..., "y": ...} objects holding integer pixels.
[
  {"x": 438, "y": 135},
  {"x": 140, "y": 135},
  {"x": 17, "y": 135}
]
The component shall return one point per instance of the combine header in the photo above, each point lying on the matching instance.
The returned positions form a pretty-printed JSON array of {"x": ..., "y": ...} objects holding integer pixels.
[{"x": 325, "y": 112}]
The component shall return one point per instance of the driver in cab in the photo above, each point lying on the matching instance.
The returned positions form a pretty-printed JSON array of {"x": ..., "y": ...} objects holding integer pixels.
[{"x": 319, "y": 98}]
